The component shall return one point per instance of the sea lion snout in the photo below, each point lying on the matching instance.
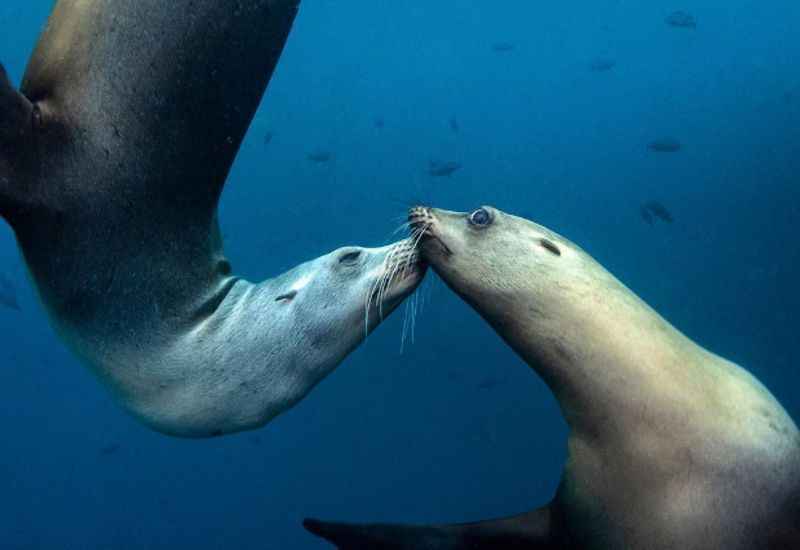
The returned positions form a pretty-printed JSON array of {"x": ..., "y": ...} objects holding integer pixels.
[
  {"x": 419, "y": 217},
  {"x": 425, "y": 229}
]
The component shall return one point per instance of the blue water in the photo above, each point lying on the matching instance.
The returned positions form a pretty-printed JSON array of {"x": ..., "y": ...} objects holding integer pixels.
[{"x": 455, "y": 427}]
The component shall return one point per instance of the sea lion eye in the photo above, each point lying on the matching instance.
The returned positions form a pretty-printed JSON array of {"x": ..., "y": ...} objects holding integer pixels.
[
  {"x": 480, "y": 218},
  {"x": 350, "y": 257}
]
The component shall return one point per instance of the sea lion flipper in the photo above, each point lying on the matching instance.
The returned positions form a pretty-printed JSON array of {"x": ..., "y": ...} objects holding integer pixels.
[
  {"x": 14, "y": 109},
  {"x": 529, "y": 531},
  {"x": 15, "y": 118},
  {"x": 380, "y": 536}
]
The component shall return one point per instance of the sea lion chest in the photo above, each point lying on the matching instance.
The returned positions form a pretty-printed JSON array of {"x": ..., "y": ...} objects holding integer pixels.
[{"x": 692, "y": 483}]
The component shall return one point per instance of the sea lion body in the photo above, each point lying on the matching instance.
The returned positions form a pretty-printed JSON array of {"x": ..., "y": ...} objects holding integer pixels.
[
  {"x": 113, "y": 156},
  {"x": 670, "y": 446}
]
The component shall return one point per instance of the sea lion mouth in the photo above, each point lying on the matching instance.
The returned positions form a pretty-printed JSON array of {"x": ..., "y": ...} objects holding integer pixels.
[
  {"x": 403, "y": 261},
  {"x": 401, "y": 272},
  {"x": 421, "y": 222}
]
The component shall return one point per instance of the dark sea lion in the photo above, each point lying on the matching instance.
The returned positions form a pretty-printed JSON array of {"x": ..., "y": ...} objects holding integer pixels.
[
  {"x": 670, "y": 446},
  {"x": 112, "y": 159}
]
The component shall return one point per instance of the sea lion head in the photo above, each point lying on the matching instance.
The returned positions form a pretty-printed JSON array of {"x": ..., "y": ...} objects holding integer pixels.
[
  {"x": 268, "y": 345},
  {"x": 338, "y": 298},
  {"x": 488, "y": 246},
  {"x": 511, "y": 270}
]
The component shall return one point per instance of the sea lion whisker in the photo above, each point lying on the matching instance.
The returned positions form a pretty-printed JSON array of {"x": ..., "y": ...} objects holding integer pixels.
[
  {"x": 404, "y": 226},
  {"x": 387, "y": 281},
  {"x": 396, "y": 273},
  {"x": 405, "y": 327},
  {"x": 380, "y": 283},
  {"x": 410, "y": 321},
  {"x": 371, "y": 294},
  {"x": 413, "y": 318},
  {"x": 420, "y": 235},
  {"x": 368, "y": 303}
]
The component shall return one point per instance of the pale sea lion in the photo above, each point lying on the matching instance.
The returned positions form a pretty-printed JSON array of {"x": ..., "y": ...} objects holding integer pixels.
[
  {"x": 670, "y": 446},
  {"x": 112, "y": 159}
]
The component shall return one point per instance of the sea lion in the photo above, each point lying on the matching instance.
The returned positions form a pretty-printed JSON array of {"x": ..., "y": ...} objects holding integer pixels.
[
  {"x": 112, "y": 159},
  {"x": 670, "y": 446}
]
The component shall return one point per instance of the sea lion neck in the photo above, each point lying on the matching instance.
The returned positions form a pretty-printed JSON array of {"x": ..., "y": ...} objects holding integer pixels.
[
  {"x": 597, "y": 346},
  {"x": 593, "y": 341}
]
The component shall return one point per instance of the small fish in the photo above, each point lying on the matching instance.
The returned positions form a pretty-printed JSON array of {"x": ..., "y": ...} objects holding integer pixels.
[
  {"x": 646, "y": 215},
  {"x": 319, "y": 156},
  {"x": 109, "y": 449},
  {"x": 379, "y": 122},
  {"x": 443, "y": 168},
  {"x": 454, "y": 125},
  {"x": 654, "y": 209},
  {"x": 8, "y": 294},
  {"x": 490, "y": 383},
  {"x": 503, "y": 47},
  {"x": 602, "y": 65},
  {"x": 681, "y": 19},
  {"x": 664, "y": 145},
  {"x": 660, "y": 211},
  {"x": 268, "y": 138}
]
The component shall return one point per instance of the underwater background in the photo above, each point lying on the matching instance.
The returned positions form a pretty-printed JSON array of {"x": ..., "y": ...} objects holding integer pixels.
[{"x": 667, "y": 145}]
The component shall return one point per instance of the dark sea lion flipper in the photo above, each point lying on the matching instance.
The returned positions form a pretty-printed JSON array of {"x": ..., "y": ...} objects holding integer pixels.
[
  {"x": 15, "y": 110},
  {"x": 15, "y": 124},
  {"x": 528, "y": 531}
]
